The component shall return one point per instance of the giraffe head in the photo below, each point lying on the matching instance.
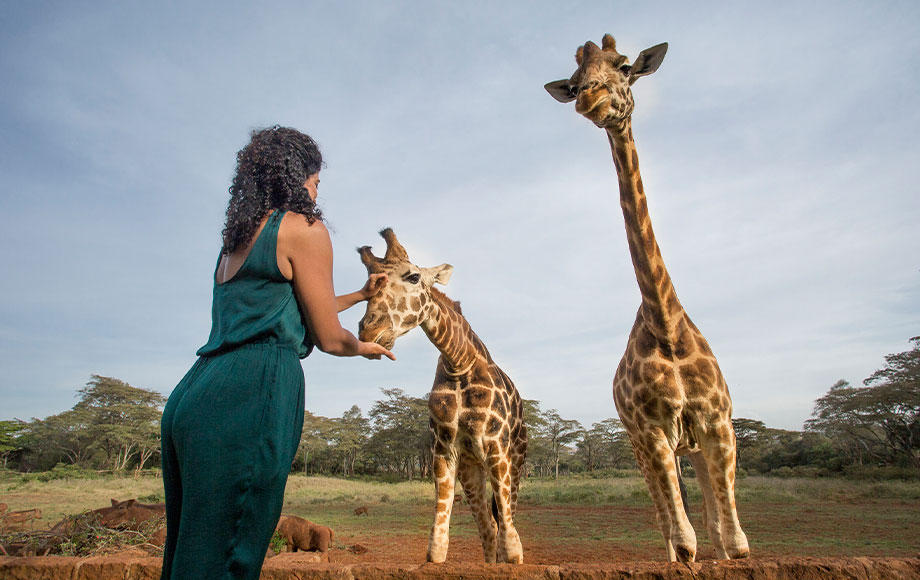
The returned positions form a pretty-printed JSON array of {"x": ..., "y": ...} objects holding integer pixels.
[
  {"x": 600, "y": 84},
  {"x": 405, "y": 302}
]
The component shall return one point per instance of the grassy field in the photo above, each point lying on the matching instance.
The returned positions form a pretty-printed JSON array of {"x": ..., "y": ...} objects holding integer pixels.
[{"x": 574, "y": 519}]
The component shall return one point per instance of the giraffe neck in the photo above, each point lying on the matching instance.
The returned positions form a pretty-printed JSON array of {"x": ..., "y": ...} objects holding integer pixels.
[
  {"x": 451, "y": 334},
  {"x": 660, "y": 308}
]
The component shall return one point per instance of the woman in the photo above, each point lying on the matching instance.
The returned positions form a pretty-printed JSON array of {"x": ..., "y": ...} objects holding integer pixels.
[{"x": 232, "y": 425}]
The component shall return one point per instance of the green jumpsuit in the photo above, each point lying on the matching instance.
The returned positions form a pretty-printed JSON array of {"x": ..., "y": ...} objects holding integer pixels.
[{"x": 231, "y": 427}]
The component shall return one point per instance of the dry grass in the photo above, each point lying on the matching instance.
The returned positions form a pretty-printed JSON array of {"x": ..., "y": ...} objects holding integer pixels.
[{"x": 63, "y": 497}]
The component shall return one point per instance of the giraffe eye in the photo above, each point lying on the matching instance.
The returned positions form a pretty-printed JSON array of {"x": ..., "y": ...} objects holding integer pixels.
[{"x": 413, "y": 278}]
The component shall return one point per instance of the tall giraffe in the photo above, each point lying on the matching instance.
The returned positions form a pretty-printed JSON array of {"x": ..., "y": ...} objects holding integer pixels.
[
  {"x": 668, "y": 389},
  {"x": 476, "y": 415}
]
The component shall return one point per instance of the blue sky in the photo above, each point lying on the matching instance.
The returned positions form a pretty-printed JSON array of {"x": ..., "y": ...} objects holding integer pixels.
[{"x": 777, "y": 145}]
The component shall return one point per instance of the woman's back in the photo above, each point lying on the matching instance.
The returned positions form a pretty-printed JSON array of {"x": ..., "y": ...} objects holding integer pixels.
[{"x": 257, "y": 303}]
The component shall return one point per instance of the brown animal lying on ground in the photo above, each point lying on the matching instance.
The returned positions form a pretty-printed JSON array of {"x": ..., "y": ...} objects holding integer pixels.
[
  {"x": 129, "y": 513},
  {"x": 3, "y": 508},
  {"x": 301, "y": 534},
  {"x": 361, "y": 511},
  {"x": 19, "y": 517}
]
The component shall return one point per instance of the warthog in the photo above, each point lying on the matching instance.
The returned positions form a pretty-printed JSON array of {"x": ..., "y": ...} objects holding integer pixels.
[
  {"x": 129, "y": 513},
  {"x": 301, "y": 534}
]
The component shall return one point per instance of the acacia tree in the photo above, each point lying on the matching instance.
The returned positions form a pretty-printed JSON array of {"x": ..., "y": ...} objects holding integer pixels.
[
  {"x": 123, "y": 420},
  {"x": 349, "y": 435},
  {"x": 893, "y": 402},
  {"x": 838, "y": 416},
  {"x": 606, "y": 445},
  {"x": 750, "y": 434},
  {"x": 559, "y": 432},
  {"x": 10, "y": 439},
  {"x": 314, "y": 445},
  {"x": 881, "y": 421},
  {"x": 402, "y": 438},
  {"x": 65, "y": 436},
  {"x": 539, "y": 454}
]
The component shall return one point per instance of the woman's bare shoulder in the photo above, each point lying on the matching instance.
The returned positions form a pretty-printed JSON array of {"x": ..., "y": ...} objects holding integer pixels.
[
  {"x": 296, "y": 231},
  {"x": 296, "y": 225}
]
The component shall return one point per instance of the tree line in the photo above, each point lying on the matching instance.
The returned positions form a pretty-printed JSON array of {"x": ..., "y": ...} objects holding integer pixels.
[{"x": 115, "y": 426}]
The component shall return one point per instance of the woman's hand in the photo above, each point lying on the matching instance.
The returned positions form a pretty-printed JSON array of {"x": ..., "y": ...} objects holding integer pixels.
[
  {"x": 373, "y": 351},
  {"x": 373, "y": 286}
]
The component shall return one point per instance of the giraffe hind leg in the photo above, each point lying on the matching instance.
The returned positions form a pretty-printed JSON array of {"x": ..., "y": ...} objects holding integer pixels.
[
  {"x": 718, "y": 448},
  {"x": 710, "y": 512},
  {"x": 509, "y": 547},
  {"x": 473, "y": 479}
]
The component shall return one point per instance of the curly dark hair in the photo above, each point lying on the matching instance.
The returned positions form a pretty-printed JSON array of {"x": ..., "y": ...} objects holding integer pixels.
[{"x": 270, "y": 172}]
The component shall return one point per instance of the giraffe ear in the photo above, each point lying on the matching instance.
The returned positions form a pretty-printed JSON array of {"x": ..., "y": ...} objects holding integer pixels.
[
  {"x": 438, "y": 274},
  {"x": 561, "y": 91},
  {"x": 648, "y": 61}
]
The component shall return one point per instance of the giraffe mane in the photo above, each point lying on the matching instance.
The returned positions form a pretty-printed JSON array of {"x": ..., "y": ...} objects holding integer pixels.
[{"x": 445, "y": 299}]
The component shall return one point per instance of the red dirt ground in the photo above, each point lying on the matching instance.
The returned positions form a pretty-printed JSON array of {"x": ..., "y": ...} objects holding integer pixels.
[
  {"x": 559, "y": 535},
  {"x": 866, "y": 540}
]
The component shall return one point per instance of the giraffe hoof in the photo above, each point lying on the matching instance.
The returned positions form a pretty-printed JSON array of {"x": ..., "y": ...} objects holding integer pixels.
[{"x": 684, "y": 554}]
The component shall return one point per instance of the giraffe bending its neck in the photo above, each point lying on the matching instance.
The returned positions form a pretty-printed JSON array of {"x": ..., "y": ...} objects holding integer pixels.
[
  {"x": 668, "y": 389},
  {"x": 475, "y": 413}
]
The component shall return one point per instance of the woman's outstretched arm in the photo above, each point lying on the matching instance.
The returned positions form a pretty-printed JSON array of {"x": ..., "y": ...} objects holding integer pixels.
[{"x": 306, "y": 249}]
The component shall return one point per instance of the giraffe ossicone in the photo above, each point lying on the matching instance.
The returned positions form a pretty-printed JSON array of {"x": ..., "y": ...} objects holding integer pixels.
[
  {"x": 476, "y": 414},
  {"x": 668, "y": 389}
]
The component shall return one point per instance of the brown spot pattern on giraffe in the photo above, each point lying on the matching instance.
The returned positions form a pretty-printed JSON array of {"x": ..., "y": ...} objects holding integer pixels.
[
  {"x": 446, "y": 433},
  {"x": 477, "y": 397},
  {"x": 472, "y": 420},
  {"x": 684, "y": 346},
  {"x": 443, "y": 406},
  {"x": 494, "y": 426},
  {"x": 499, "y": 403}
]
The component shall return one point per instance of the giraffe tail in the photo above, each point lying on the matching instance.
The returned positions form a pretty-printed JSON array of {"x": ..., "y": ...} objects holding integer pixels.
[{"x": 494, "y": 509}]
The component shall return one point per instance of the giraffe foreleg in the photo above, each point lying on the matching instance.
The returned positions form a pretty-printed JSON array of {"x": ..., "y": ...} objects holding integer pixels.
[
  {"x": 718, "y": 447},
  {"x": 445, "y": 472},
  {"x": 661, "y": 512},
  {"x": 661, "y": 476},
  {"x": 473, "y": 478}
]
